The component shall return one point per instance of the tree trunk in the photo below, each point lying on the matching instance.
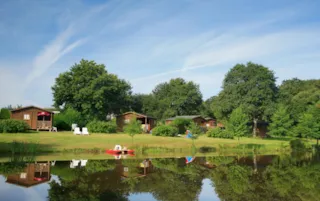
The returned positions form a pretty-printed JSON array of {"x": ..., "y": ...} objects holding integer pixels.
[{"x": 255, "y": 125}]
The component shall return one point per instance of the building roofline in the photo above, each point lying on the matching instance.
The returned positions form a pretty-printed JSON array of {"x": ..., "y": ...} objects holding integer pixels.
[
  {"x": 138, "y": 114},
  {"x": 31, "y": 106}
]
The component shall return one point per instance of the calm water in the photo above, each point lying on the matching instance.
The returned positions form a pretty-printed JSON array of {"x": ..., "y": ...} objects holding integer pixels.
[{"x": 201, "y": 178}]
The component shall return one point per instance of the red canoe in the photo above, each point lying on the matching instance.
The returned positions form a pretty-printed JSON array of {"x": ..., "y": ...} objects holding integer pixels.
[{"x": 111, "y": 151}]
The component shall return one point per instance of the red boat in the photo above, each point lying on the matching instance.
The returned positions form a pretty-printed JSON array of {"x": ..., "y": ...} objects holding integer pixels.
[{"x": 116, "y": 152}]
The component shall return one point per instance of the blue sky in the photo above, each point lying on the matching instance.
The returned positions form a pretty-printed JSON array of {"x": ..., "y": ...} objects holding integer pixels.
[{"x": 149, "y": 42}]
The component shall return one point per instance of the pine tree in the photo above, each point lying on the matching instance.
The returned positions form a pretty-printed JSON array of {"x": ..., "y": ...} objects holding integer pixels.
[
  {"x": 238, "y": 123},
  {"x": 281, "y": 122}
]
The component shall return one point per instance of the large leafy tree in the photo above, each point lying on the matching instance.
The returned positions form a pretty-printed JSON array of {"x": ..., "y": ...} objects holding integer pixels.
[
  {"x": 238, "y": 123},
  {"x": 90, "y": 89},
  {"x": 281, "y": 122},
  {"x": 309, "y": 124},
  {"x": 206, "y": 109},
  {"x": 299, "y": 95},
  {"x": 177, "y": 97},
  {"x": 251, "y": 86}
]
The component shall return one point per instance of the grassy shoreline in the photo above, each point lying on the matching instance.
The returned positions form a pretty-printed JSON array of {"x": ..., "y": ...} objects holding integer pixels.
[{"x": 67, "y": 142}]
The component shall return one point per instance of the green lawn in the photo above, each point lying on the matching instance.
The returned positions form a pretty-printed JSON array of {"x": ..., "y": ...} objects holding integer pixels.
[{"x": 62, "y": 141}]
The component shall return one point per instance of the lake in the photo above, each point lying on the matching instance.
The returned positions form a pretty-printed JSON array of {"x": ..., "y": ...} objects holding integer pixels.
[{"x": 254, "y": 177}]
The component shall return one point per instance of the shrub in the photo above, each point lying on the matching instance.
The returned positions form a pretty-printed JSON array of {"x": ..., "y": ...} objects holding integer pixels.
[
  {"x": 165, "y": 130},
  {"x": 65, "y": 119},
  {"x": 219, "y": 133},
  {"x": 181, "y": 124},
  {"x": 134, "y": 127},
  {"x": 297, "y": 145},
  {"x": 13, "y": 126},
  {"x": 195, "y": 128},
  {"x": 4, "y": 113},
  {"x": 102, "y": 127}
]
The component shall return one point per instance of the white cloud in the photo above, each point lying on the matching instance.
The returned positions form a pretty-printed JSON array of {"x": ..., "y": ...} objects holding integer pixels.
[{"x": 52, "y": 53}]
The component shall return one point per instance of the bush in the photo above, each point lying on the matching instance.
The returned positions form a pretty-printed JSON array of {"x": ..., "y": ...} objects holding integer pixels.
[
  {"x": 4, "y": 113},
  {"x": 165, "y": 130},
  {"x": 195, "y": 129},
  {"x": 13, "y": 126},
  {"x": 102, "y": 127},
  {"x": 181, "y": 124},
  {"x": 132, "y": 128},
  {"x": 297, "y": 145},
  {"x": 219, "y": 133},
  {"x": 65, "y": 119}
]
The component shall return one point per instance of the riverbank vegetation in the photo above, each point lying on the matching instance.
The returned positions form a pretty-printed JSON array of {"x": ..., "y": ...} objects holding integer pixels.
[{"x": 64, "y": 141}]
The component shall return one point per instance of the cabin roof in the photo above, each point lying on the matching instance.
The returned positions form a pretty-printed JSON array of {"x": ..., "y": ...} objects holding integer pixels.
[
  {"x": 138, "y": 114},
  {"x": 185, "y": 117},
  {"x": 30, "y": 106}
]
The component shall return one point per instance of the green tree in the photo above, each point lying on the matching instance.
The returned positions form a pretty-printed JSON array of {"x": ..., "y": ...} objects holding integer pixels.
[
  {"x": 237, "y": 124},
  {"x": 297, "y": 95},
  {"x": 206, "y": 109},
  {"x": 251, "y": 86},
  {"x": 5, "y": 113},
  {"x": 181, "y": 124},
  {"x": 281, "y": 122},
  {"x": 133, "y": 128},
  {"x": 91, "y": 90},
  {"x": 177, "y": 97},
  {"x": 309, "y": 124}
]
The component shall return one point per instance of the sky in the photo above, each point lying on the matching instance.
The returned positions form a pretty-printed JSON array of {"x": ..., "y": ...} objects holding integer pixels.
[{"x": 149, "y": 42}]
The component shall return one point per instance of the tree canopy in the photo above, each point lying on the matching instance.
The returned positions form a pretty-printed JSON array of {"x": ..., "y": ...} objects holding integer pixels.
[
  {"x": 177, "y": 97},
  {"x": 251, "y": 86},
  {"x": 88, "y": 88},
  {"x": 281, "y": 122},
  {"x": 298, "y": 95}
]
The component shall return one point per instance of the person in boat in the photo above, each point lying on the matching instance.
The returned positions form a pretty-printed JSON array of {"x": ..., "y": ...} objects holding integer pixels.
[{"x": 125, "y": 148}]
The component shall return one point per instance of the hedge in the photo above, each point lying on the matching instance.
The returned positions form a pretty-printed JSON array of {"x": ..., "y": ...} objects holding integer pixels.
[
  {"x": 219, "y": 133},
  {"x": 165, "y": 130},
  {"x": 13, "y": 126},
  {"x": 102, "y": 127}
]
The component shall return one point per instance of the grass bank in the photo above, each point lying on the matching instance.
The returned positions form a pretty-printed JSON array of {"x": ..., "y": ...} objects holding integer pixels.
[{"x": 66, "y": 141}]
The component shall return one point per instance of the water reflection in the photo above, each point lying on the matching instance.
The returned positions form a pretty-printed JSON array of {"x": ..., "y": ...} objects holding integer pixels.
[{"x": 235, "y": 178}]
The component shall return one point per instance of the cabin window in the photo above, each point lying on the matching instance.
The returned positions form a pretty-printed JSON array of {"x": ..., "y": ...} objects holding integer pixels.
[
  {"x": 44, "y": 118},
  {"x": 26, "y": 116}
]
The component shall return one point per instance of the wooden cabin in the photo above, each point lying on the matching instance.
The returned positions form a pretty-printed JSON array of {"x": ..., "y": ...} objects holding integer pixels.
[
  {"x": 144, "y": 168},
  {"x": 147, "y": 122},
  {"x": 199, "y": 120},
  {"x": 33, "y": 174},
  {"x": 211, "y": 122},
  {"x": 37, "y": 118}
]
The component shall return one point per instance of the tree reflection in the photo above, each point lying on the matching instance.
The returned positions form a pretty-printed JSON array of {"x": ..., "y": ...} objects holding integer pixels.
[{"x": 233, "y": 178}]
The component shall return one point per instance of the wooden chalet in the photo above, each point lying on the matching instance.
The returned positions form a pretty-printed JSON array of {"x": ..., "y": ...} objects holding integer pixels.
[
  {"x": 147, "y": 122},
  {"x": 37, "y": 118},
  {"x": 198, "y": 119},
  {"x": 33, "y": 174}
]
